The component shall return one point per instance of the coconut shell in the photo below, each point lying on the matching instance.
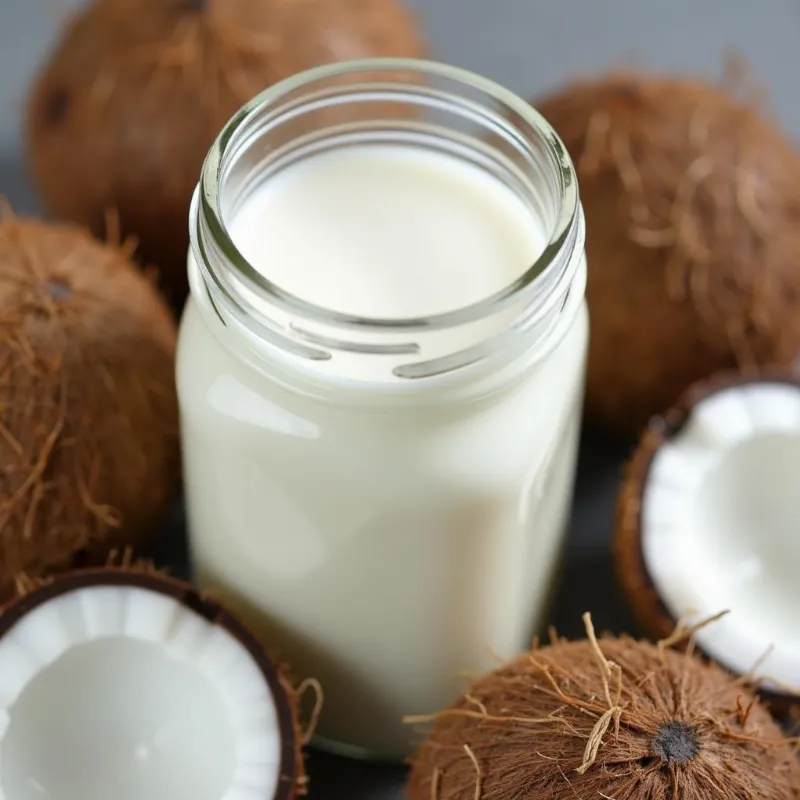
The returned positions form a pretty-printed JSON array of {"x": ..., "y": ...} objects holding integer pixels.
[
  {"x": 89, "y": 454},
  {"x": 638, "y": 722},
  {"x": 135, "y": 92},
  {"x": 692, "y": 205}
]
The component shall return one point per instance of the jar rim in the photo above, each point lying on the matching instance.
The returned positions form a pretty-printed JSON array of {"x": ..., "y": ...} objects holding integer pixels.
[{"x": 225, "y": 145}]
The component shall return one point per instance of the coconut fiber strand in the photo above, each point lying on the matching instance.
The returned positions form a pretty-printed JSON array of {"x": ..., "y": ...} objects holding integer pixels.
[
  {"x": 692, "y": 204},
  {"x": 638, "y": 723},
  {"x": 88, "y": 415}
]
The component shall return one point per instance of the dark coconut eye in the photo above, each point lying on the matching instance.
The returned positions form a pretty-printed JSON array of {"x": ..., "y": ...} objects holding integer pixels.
[
  {"x": 676, "y": 743},
  {"x": 58, "y": 289},
  {"x": 57, "y": 106}
]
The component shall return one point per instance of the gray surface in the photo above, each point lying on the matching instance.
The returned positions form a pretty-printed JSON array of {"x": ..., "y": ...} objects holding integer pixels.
[{"x": 531, "y": 46}]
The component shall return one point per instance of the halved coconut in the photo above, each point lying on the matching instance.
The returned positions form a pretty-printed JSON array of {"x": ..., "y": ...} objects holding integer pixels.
[
  {"x": 709, "y": 521},
  {"x": 125, "y": 685}
]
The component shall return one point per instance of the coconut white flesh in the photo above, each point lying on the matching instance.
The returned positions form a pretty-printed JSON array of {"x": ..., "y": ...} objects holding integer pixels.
[
  {"x": 721, "y": 528},
  {"x": 121, "y": 693}
]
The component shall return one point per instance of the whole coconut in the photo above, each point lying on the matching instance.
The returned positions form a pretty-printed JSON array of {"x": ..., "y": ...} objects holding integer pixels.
[
  {"x": 616, "y": 719},
  {"x": 88, "y": 414},
  {"x": 692, "y": 205},
  {"x": 125, "y": 110}
]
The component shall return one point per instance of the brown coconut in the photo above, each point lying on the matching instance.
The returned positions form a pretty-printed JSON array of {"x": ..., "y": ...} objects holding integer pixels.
[
  {"x": 88, "y": 414},
  {"x": 616, "y": 719},
  {"x": 692, "y": 205},
  {"x": 126, "y": 108}
]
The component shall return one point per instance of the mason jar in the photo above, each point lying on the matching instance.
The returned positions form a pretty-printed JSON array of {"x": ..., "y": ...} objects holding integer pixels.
[{"x": 379, "y": 457}]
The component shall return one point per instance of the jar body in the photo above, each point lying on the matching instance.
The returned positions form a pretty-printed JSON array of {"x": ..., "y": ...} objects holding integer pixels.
[{"x": 380, "y": 551}]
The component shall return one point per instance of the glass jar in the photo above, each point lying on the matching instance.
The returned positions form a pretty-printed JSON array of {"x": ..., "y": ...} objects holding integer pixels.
[{"x": 383, "y": 500}]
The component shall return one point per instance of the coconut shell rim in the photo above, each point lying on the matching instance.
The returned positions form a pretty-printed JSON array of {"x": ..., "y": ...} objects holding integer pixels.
[
  {"x": 638, "y": 588},
  {"x": 291, "y": 771}
]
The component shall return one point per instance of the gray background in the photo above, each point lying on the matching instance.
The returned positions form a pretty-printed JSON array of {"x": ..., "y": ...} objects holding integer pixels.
[{"x": 531, "y": 46}]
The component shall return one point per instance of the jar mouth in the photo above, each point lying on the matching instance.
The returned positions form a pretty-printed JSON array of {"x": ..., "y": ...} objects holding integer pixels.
[{"x": 244, "y": 127}]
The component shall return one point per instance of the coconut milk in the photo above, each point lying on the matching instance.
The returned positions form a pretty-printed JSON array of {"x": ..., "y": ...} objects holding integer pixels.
[
  {"x": 387, "y": 231},
  {"x": 382, "y": 550}
]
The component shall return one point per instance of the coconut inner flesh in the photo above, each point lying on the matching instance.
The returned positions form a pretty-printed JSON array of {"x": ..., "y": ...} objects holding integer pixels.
[
  {"x": 127, "y": 694},
  {"x": 88, "y": 726},
  {"x": 721, "y": 527}
]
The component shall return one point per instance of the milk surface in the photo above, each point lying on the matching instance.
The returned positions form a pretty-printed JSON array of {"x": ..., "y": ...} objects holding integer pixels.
[
  {"x": 386, "y": 551},
  {"x": 388, "y": 231}
]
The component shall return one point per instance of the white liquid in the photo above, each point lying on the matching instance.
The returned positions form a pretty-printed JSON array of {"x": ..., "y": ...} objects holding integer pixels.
[
  {"x": 382, "y": 551},
  {"x": 445, "y": 235}
]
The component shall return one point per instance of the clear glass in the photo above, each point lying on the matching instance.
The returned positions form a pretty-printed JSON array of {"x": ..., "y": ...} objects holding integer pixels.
[{"x": 383, "y": 534}]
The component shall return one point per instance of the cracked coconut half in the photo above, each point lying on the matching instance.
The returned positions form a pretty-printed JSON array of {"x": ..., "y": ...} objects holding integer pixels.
[
  {"x": 709, "y": 521},
  {"x": 117, "y": 684}
]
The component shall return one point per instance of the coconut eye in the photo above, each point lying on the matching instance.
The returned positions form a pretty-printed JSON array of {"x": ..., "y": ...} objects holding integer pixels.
[
  {"x": 58, "y": 289},
  {"x": 56, "y": 106},
  {"x": 676, "y": 743}
]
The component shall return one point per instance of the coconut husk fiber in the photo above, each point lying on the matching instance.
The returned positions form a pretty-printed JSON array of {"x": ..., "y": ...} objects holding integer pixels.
[
  {"x": 692, "y": 204},
  {"x": 125, "y": 109},
  {"x": 614, "y": 719},
  {"x": 89, "y": 455}
]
